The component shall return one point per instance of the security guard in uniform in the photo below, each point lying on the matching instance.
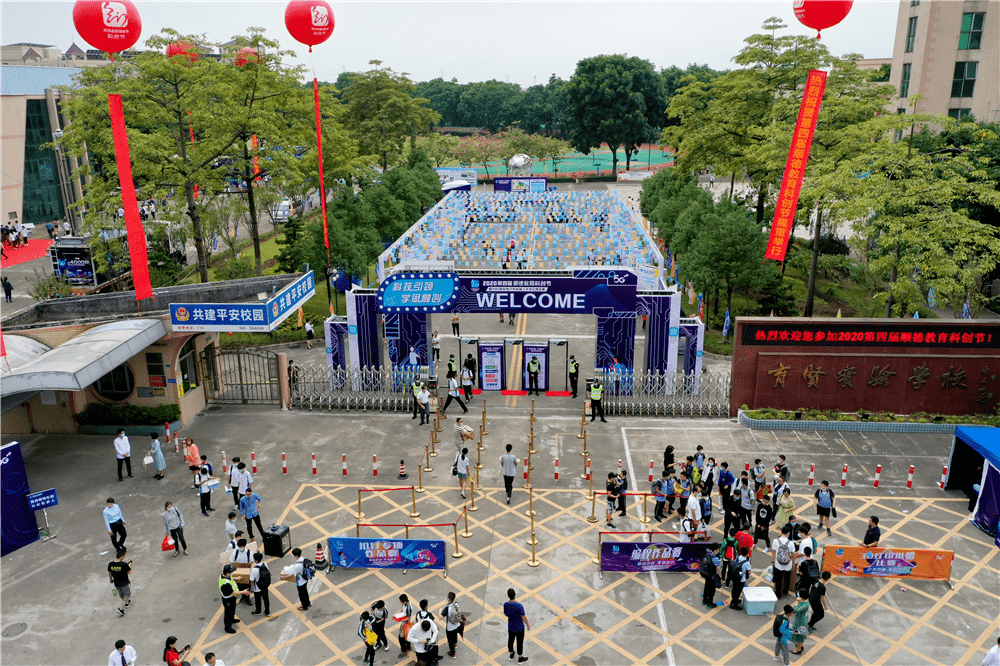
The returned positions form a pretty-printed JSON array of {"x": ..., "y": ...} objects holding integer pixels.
[
  {"x": 453, "y": 364},
  {"x": 227, "y": 588},
  {"x": 596, "y": 393},
  {"x": 574, "y": 374},
  {"x": 534, "y": 367},
  {"x": 415, "y": 389}
]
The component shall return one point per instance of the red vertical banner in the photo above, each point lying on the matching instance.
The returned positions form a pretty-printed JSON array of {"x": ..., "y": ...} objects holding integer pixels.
[
  {"x": 795, "y": 166},
  {"x": 322, "y": 183},
  {"x": 256, "y": 159},
  {"x": 133, "y": 224}
]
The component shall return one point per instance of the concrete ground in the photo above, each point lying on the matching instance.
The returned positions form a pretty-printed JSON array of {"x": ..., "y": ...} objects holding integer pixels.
[{"x": 57, "y": 606}]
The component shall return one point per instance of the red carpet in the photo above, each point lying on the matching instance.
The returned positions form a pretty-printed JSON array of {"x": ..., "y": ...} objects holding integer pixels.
[
  {"x": 558, "y": 394},
  {"x": 35, "y": 249},
  {"x": 509, "y": 392}
]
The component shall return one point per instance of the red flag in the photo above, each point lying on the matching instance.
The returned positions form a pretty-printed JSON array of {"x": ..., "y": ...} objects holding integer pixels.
[
  {"x": 133, "y": 224},
  {"x": 3, "y": 349},
  {"x": 322, "y": 184},
  {"x": 795, "y": 166}
]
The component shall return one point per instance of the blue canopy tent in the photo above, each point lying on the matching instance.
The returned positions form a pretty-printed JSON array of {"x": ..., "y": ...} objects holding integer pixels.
[{"x": 975, "y": 458}]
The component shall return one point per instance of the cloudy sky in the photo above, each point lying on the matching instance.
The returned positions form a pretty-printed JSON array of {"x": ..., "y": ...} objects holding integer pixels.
[{"x": 520, "y": 42}]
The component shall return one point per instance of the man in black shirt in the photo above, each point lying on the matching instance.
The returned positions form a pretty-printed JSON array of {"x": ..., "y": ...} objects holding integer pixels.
[
  {"x": 613, "y": 492},
  {"x": 817, "y": 599},
  {"x": 763, "y": 513},
  {"x": 118, "y": 572},
  {"x": 874, "y": 534}
]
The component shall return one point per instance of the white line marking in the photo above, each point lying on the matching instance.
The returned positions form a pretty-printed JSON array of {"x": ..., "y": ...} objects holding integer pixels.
[{"x": 661, "y": 615}]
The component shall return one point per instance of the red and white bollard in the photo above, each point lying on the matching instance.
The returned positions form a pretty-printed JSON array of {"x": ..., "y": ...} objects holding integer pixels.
[
  {"x": 166, "y": 426},
  {"x": 253, "y": 461},
  {"x": 525, "y": 471},
  {"x": 619, "y": 466},
  {"x": 284, "y": 464},
  {"x": 812, "y": 472},
  {"x": 588, "y": 469},
  {"x": 843, "y": 478},
  {"x": 177, "y": 441},
  {"x": 746, "y": 467},
  {"x": 225, "y": 470},
  {"x": 374, "y": 465},
  {"x": 314, "y": 464},
  {"x": 878, "y": 473},
  {"x": 909, "y": 478},
  {"x": 944, "y": 476},
  {"x": 650, "y": 471},
  {"x": 343, "y": 460},
  {"x": 557, "y": 469}
]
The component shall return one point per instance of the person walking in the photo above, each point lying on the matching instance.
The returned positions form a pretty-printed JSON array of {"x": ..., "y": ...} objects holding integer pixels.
[
  {"x": 782, "y": 630},
  {"x": 114, "y": 522},
  {"x": 573, "y": 366},
  {"x": 67, "y": 228},
  {"x": 227, "y": 589},
  {"x": 825, "y": 503},
  {"x": 204, "y": 491},
  {"x": 786, "y": 508},
  {"x": 250, "y": 509},
  {"x": 436, "y": 345},
  {"x": 709, "y": 570},
  {"x": 763, "y": 514},
  {"x": 368, "y": 637},
  {"x": 118, "y": 571},
  {"x": 298, "y": 570},
  {"x": 517, "y": 624},
  {"x": 612, "y": 492},
  {"x": 873, "y": 534},
  {"x": 234, "y": 481},
  {"x": 8, "y": 289},
  {"x": 310, "y": 333},
  {"x": 463, "y": 433},
  {"x": 623, "y": 488},
  {"x": 157, "y": 452},
  {"x": 534, "y": 368},
  {"x": 470, "y": 363},
  {"x": 192, "y": 457},
  {"x": 725, "y": 482},
  {"x": 260, "y": 583},
  {"x": 508, "y": 467},
  {"x": 455, "y": 319},
  {"x": 172, "y": 656},
  {"x": 50, "y": 228},
  {"x": 462, "y": 467},
  {"x": 817, "y": 600},
  {"x": 452, "y": 615},
  {"x": 596, "y": 393},
  {"x": 379, "y": 616},
  {"x": 123, "y": 449},
  {"x": 467, "y": 383},
  {"x": 423, "y": 637},
  {"x": 453, "y": 394},
  {"x": 405, "y": 619},
  {"x": 799, "y": 624},
  {"x": 122, "y": 655},
  {"x": 992, "y": 657},
  {"x": 660, "y": 488},
  {"x": 424, "y": 403},
  {"x": 246, "y": 480},
  {"x": 173, "y": 524}
]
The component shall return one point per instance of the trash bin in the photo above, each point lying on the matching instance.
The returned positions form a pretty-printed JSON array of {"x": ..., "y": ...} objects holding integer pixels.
[{"x": 277, "y": 541}]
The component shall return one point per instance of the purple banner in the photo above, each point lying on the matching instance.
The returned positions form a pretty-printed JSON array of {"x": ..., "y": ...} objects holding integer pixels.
[
  {"x": 519, "y": 184},
  {"x": 638, "y": 557},
  {"x": 583, "y": 293}
]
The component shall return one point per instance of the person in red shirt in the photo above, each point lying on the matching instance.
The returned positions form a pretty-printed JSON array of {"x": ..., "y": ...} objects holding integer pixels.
[{"x": 745, "y": 538}]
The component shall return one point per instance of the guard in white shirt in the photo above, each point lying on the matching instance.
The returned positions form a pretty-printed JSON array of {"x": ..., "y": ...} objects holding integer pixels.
[
  {"x": 122, "y": 655},
  {"x": 123, "y": 449}
]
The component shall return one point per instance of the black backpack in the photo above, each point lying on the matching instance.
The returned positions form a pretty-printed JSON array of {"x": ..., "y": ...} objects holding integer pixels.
[
  {"x": 779, "y": 620},
  {"x": 706, "y": 509},
  {"x": 264, "y": 581},
  {"x": 707, "y": 566},
  {"x": 812, "y": 569},
  {"x": 308, "y": 569}
]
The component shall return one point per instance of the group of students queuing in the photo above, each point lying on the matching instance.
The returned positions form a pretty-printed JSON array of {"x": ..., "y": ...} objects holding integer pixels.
[{"x": 418, "y": 631}]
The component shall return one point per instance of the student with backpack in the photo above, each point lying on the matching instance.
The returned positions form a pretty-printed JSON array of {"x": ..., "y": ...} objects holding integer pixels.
[
  {"x": 379, "y": 615},
  {"x": 817, "y": 600},
  {"x": 825, "y": 499},
  {"x": 705, "y": 504},
  {"x": 452, "y": 615},
  {"x": 740, "y": 578},
  {"x": 368, "y": 637},
  {"x": 782, "y": 630},
  {"x": 709, "y": 570},
  {"x": 729, "y": 551},
  {"x": 260, "y": 581},
  {"x": 302, "y": 571},
  {"x": 781, "y": 561},
  {"x": 660, "y": 488},
  {"x": 809, "y": 572}
]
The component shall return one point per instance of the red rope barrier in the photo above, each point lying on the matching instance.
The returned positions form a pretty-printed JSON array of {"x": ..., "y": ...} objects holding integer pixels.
[{"x": 382, "y": 490}]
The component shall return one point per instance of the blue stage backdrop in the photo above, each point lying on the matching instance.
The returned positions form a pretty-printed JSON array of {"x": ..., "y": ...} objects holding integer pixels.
[
  {"x": 18, "y": 526},
  {"x": 615, "y": 339},
  {"x": 402, "y": 331},
  {"x": 583, "y": 293},
  {"x": 657, "y": 308},
  {"x": 363, "y": 325},
  {"x": 375, "y": 553}
]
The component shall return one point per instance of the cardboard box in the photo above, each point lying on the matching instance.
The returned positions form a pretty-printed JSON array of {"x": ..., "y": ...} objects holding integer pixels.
[{"x": 253, "y": 547}]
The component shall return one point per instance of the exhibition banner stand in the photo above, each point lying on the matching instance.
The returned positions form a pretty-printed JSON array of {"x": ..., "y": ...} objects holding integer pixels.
[{"x": 862, "y": 561}]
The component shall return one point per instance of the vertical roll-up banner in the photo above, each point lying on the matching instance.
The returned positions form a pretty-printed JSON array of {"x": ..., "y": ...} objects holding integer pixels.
[
  {"x": 133, "y": 223},
  {"x": 795, "y": 166},
  {"x": 491, "y": 365},
  {"x": 319, "y": 150}
]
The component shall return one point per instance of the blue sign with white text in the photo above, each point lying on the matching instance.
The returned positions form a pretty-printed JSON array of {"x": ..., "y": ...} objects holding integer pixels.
[
  {"x": 244, "y": 317},
  {"x": 583, "y": 293},
  {"x": 376, "y": 553},
  {"x": 418, "y": 292}
]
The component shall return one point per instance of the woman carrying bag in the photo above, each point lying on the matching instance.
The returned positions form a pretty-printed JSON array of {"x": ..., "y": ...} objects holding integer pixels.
[
  {"x": 462, "y": 470},
  {"x": 173, "y": 526},
  {"x": 157, "y": 453}
]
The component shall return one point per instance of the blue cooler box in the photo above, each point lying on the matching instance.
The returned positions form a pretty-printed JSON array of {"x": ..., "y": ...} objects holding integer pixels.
[{"x": 759, "y": 600}]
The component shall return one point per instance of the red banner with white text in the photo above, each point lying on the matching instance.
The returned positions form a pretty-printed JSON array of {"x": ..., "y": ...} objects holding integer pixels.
[
  {"x": 133, "y": 223},
  {"x": 795, "y": 166}
]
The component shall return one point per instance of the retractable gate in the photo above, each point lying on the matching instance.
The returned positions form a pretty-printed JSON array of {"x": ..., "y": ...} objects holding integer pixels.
[{"x": 241, "y": 376}]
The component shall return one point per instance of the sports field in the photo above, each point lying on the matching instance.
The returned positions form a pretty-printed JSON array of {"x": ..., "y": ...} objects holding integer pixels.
[{"x": 598, "y": 161}]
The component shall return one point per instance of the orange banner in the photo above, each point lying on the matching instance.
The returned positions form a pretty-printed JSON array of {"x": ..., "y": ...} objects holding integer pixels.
[
  {"x": 888, "y": 562},
  {"x": 795, "y": 166}
]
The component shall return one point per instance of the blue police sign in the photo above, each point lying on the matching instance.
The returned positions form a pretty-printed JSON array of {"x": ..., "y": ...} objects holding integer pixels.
[
  {"x": 243, "y": 317},
  {"x": 419, "y": 292},
  {"x": 43, "y": 499}
]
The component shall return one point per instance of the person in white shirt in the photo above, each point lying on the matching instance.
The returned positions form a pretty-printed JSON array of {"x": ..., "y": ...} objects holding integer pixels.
[
  {"x": 231, "y": 526},
  {"x": 301, "y": 582},
  {"x": 453, "y": 394},
  {"x": 453, "y": 621},
  {"x": 234, "y": 481},
  {"x": 992, "y": 657},
  {"x": 436, "y": 346},
  {"x": 467, "y": 383},
  {"x": 424, "y": 401},
  {"x": 204, "y": 492},
  {"x": 212, "y": 660},
  {"x": 462, "y": 465},
  {"x": 782, "y": 548},
  {"x": 68, "y": 228},
  {"x": 310, "y": 333},
  {"x": 260, "y": 593},
  {"x": 423, "y": 637},
  {"x": 246, "y": 480},
  {"x": 123, "y": 449},
  {"x": 122, "y": 655}
]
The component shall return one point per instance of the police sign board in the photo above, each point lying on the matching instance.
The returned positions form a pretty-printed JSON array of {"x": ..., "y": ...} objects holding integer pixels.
[{"x": 244, "y": 317}]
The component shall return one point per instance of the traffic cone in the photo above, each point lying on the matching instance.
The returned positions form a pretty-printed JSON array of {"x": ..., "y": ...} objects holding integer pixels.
[{"x": 402, "y": 471}]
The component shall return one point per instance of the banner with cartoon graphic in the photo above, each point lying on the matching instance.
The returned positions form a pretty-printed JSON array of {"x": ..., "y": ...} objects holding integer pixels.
[
  {"x": 352, "y": 553},
  {"x": 888, "y": 562},
  {"x": 639, "y": 557}
]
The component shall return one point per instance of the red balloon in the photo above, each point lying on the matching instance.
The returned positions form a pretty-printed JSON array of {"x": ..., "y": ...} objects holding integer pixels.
[
  {"x": 821, "y": 14},
  {"x": 309, "y": 21},
  {"x": 108, "y": 25},
  {"x": 183, "y": 49},
  {"x": 247, "y": 56}
]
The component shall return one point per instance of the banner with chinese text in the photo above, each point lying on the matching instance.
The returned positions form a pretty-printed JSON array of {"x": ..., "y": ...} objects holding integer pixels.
[
  {"x": 638, "y": 557},
  {"x": 349, "y": 552},
  {"x": 888, "y": 562},
  {"x": 795, "y": 166}
]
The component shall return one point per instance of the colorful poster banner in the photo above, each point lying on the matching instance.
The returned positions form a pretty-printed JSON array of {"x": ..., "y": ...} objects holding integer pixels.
[
  {"x": 888, "y": 562},
  {"x": 795, "y": 166},
  {"x": 639, "y": 557},
  {"x": 501, "y": 184},
  {"x": 376, "y": 553},
  {"x": 491, "y": 366}
]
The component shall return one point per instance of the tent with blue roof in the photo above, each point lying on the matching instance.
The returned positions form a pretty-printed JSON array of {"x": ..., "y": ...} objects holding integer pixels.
[{"x": 975, "y": 459}]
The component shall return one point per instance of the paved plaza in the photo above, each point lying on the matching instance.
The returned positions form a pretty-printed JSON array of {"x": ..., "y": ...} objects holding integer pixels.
[{"x": 59, "y": 588}]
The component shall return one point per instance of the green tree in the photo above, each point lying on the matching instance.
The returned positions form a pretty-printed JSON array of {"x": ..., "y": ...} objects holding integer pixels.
[
  {"x": 490, "y": 104},
  {"x": 383, "y": 114},
  {"x": 614, "y": 100},
  {"x": 440, "y": 148},
  {"x": 444, "y": 97},
  {"x": 480, "y": 149},
  {"x": 675, "y": 78}
]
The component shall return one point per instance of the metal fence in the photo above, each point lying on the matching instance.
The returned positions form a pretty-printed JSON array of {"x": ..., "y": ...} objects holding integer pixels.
[
  {"x": 666, "y": 394},
  {"x": 636, "y": 393},
  {"x": 241, "y": 377}
]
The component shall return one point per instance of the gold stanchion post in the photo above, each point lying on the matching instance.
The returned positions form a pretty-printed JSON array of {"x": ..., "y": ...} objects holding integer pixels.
[
  {"x": 482, "y": 431},
  {"x": 583, "y": 422},
  {"x": 531, "y": 505},
  {"x": 532, "y": 540},
  {"x": 427, "y": 459},
  {"x": 466, "y": 534},
  {"x": 645, "y": 514},
  {"x": 357, "y": 530},
  {"x": 532, "y": 417},
  {"x": 479, "y": 458},
  {"x": 534, "y": 561},
  {"x": 420, "y": 479},
  {"x": 593, "y": 509},
  {"x": 458, "y": 553},
  {"x": 597, "y": 560},
  {"x": 485, "y": 420},
  {"x": 472, "y": 497},
  {"x": 414, "y": 513},
  {"x": 407, "y": 528},
  {"x": 477, "y": 484},
  {"x": 360, "y": 515},
  {"x": 531, "y": 440}
]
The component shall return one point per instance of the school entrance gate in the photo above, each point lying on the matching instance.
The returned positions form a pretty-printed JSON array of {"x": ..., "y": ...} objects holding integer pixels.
[{"x": 240, "y": 376}]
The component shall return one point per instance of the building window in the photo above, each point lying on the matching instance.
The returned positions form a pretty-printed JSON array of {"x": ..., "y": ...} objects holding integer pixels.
[
  {"x": 117, "y": 385},
  {"x": 187, "y": 363},
  {"x": 904, "y": 80},
  {"x": 972, "y": 32},
  {"x": 42, "y": 195},
  {"x": 965, "y": 79},
  {"x": 960, "y": 114},
  {"x": 911, "y": 34}
]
